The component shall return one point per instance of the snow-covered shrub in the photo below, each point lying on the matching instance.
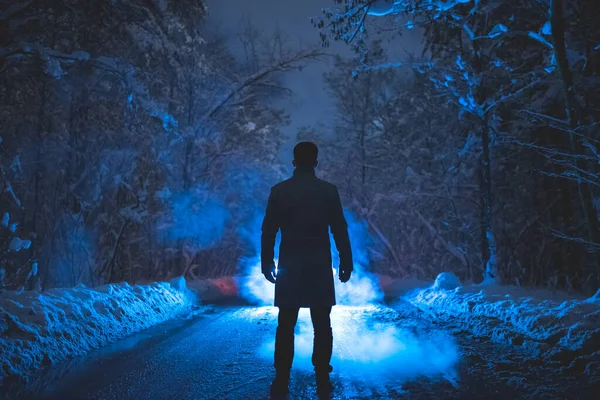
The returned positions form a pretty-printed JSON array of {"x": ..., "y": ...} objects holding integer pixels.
[
  {"x": 446, "y": 281},
  {"x": 16, "y": 267}
]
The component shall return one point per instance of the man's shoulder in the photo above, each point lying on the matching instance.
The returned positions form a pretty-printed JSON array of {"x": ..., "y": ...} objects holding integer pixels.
[
  {"x": 325, "y": 185},
  {"x": 281, "y": 184},
  {"x": 328, "y": 185}
]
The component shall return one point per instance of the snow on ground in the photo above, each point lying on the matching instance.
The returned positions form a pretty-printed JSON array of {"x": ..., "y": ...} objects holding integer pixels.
[
  {"x": 551, "y": 326},
  {"x": 38, "y": 330},
  {"x": 42, "y": 329}
]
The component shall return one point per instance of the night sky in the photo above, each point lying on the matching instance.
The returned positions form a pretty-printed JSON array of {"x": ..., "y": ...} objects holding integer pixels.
[{"x": 310, "y": 104}]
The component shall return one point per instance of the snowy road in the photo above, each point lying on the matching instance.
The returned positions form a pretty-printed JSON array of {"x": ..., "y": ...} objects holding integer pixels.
[{"x": 224, "y": 352}]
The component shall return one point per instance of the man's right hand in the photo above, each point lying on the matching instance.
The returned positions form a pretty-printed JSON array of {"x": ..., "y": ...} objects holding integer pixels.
[
  {"x": 270, "y": 273},
  {"x": 345, "y": 275}
]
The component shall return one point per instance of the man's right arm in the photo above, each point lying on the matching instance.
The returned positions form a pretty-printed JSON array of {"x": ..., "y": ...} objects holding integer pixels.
[
  {"x": 270, "y": 226},
  {"x": 339, "y": 229}
]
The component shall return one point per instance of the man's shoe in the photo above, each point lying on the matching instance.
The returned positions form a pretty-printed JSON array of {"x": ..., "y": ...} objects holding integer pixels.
[
  {"x": 324, "y": 386},
  {"x": 280, "y": 386}
]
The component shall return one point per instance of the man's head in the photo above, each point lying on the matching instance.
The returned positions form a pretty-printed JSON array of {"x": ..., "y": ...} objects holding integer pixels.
[{"x": 305, "y": 155}]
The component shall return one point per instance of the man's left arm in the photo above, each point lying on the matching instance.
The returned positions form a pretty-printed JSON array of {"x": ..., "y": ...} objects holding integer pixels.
[
  {"x": 339, "y": 229},
  {"x": 270, "y": 226}
]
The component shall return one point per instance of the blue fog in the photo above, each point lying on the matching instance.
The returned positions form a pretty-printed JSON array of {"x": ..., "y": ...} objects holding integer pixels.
[
  {"x": 198, "y": 216},
  {"x": 362, "y": 289},
  {"x": 368, "y": 344},
  {"x": 369, "y": 347}
]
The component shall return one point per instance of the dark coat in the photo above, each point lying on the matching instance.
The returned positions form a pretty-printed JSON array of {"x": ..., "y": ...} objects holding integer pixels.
[{"x": 304, "y": 207}]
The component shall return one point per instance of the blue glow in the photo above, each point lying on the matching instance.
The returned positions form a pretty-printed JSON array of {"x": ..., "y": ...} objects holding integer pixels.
[
  {"x": 371, "y": 347},
  {"x": 198, "y": 216},
  {"x": 362, "y": 289},
  {"x": 252, "y": 284}
]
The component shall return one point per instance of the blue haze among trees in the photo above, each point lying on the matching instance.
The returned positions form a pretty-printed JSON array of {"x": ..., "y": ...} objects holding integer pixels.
[
  {"x": 136, "y": 147},
  {"x": 508, "y": 90}
]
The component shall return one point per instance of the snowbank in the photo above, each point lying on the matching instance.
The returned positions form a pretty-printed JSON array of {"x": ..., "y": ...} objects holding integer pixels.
[
  {"x": 551, "y": 326},
  {"x": 38, "y": 330}
]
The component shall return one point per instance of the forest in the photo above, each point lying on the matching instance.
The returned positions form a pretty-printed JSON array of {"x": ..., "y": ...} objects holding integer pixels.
[{"x": 134, "y": 146}]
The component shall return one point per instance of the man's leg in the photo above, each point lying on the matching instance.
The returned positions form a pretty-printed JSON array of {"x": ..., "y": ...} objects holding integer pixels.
[
  {"x": 322, "y": 347},
  {"x": 284, "y": 338},
  {"x": 284, "y": 349}
]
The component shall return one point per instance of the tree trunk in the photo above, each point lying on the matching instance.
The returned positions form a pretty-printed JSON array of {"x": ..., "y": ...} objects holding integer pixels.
[
  {"x": 573, "y": 111},
  {"x": 489, "y": 253},
  {"x": 488, "y": 242},
  {"x": 386, "y": 244},
  {"x": 44, "y": 272}
]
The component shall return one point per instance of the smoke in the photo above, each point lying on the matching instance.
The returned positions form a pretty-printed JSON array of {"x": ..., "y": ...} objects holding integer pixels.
[
  {"x": 252, "y": 284},
  {"x": 370, "y": 348},
  {"x": 197, "y": 215},
  {"x": 362, "y": 289},
  {"x": 370, "y": 342}
]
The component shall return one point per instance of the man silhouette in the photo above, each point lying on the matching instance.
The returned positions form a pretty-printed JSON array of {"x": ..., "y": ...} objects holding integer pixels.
[{"x": 304, "y": 207}]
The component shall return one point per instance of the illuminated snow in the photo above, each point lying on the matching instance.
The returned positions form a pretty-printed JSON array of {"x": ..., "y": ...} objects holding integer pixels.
[
  {"x": 41, "y": 329},
  {"x": 546, "y": 324}
]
